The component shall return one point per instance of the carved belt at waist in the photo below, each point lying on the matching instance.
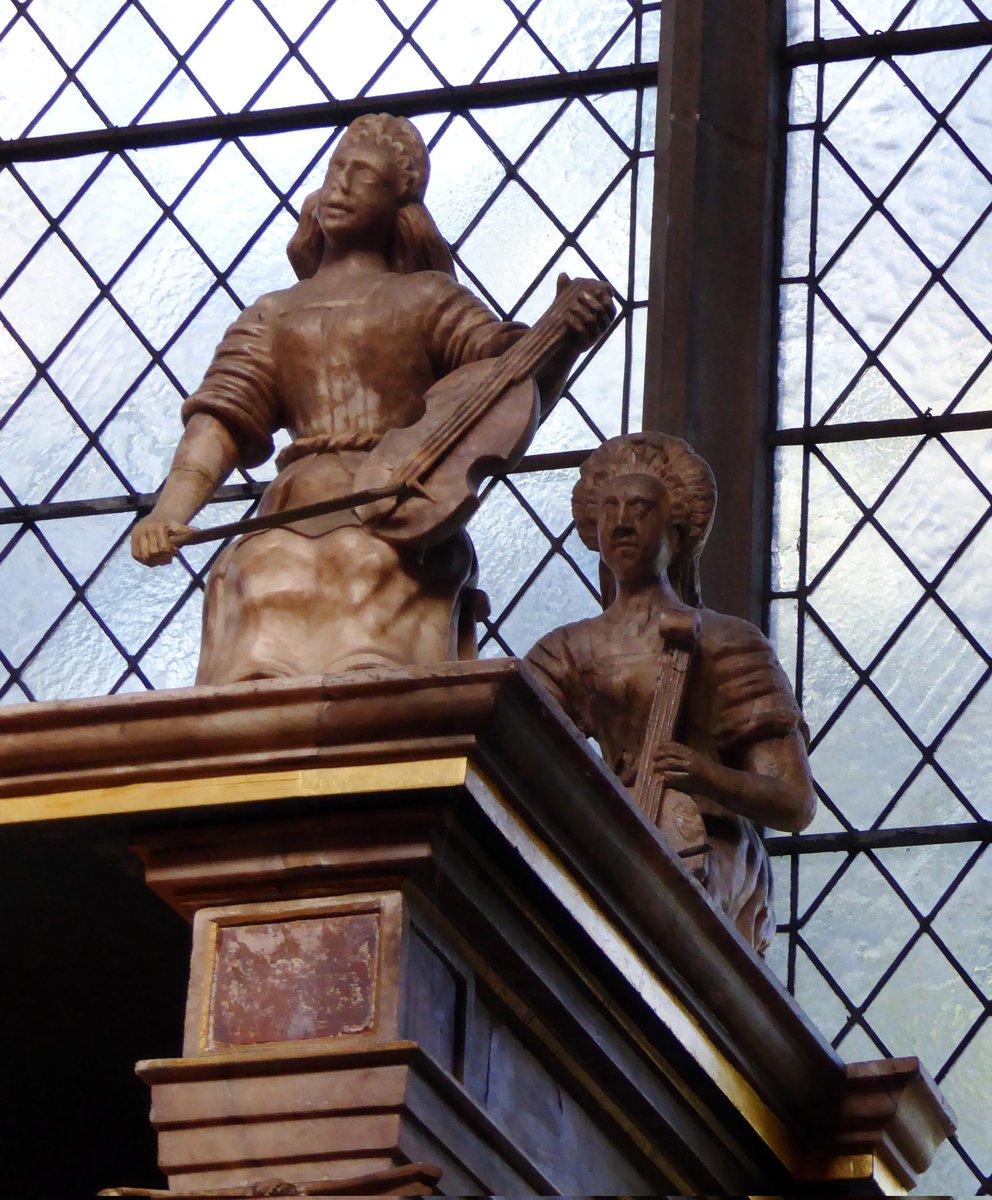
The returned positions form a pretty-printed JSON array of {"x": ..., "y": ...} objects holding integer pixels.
[{"x": 325, "y": 443}]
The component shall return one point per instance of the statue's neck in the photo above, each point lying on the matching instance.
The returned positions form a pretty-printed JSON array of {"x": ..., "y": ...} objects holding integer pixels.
[
  {"x": 352, "y": 261},
  {"x": 644, "y": 595}
]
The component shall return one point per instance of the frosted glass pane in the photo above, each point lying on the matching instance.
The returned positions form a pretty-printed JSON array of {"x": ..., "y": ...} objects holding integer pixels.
[
  {"x": 875, "y": 279},
  {"x": 181, "y": 280},
  {"x": 966, "y": 1087},
  {"x": 802, "y": 95},
  {"x": 170, "y": 661},
  {"x": 859, "y": 929},
  {"x": 868, "y": 466},
  {"x": 111, "y": 216},
  {"x": 783, "y": 624},
  {"x": 143, "y": 435},
  {"x": 863, "y": 759},
  {"x": 556, "y": 597},
  {"x": 134, "y": 600},
  {"x": 573, "y": 163},
  {"x": 73, "y": 29},
  {"x": 38, "y": 443},
  {"x": 793, "y": 302},
  {"x": 965, "y": 922},
  {"x": 350, "y": 43},
  {"x": 926, "y": 872},
  {"x": 182, "y": 23},
  {"x": 841, "y": 205},
  {"x": 831, "y": 519},
  {"x": 292, "y": 85},
  {"x": 969, "y": 276},
  {"x": 965, "y": 752},
  {"x": 23, "y": 224},
  {"x": 577, "y": 33},
  {"x": 78, "y": 660},
  {"x": 231, "y": 186},
  {"x": 29, "y": 303},
  {"x": 513, "y": 220},
  {"x": 931, "y": 509},
  {"x": 837, "y": 358},
  {"x": 81, "y": 543},
  {"x": 599, "y": 391},
  {"x": 191, "y": 353},
  {"x": 827, "y": 679},
  {"x": 877, "y": 129},
  {"x": 464, "y": 174},
  {"x": 818, "y": 999},
  {"x": 972, "y": 601},
  {"x": 509, "y": 546},
  {"x": 971, "y": 119},
  {"x": 460, "y": 39},
  {"x": 865, "y": 595},
  {"x": 925, "y": 1008},
  {"x": 798, "y": 199},
  {"x": 235, "y": 58},
  {"x": 927, "y": 801},
  {"x": 99, "y": 363},
  {"x": 30, "y": 76},
  {"x": 549, "y": 494},
  {"x": 936, "y": 351},
  {"x": 947, "y": 1175},
  {"x": 927, "y": 13},
  {"x": 35, "y": 592},
  {"x": 872, "y": 398},
  {"x": 16, "y": 371},
  {"x": 522, "y": 57},
  {"x": 786, "y": 518},
  {"x": 126, "y": 69}
]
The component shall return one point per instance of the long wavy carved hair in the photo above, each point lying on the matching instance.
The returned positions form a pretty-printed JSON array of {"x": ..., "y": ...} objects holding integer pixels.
[
  {"x": 688, "y": 482},
  {"x": 417, "y": 244}
]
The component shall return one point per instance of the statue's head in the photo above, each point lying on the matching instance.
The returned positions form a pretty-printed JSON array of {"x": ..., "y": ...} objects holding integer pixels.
[
  {"x": 373, "y": 191},
  {"x": 645, "y": 502}
]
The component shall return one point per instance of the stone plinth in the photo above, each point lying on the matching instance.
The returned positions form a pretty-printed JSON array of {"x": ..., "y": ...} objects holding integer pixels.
[{"x": 431, "y": 931}]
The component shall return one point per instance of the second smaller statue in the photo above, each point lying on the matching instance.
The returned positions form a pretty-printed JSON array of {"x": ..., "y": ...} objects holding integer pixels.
[{"x": 690, "y": 707}]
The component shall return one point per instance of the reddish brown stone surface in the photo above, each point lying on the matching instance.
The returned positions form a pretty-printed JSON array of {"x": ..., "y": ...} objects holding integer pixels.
[{"x": 287, "y": 981}]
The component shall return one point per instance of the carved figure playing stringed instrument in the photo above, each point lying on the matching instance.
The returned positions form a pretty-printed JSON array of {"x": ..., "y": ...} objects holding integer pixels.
[
  {"x": 690, "y": 707},
  {"x": 401, "y": 390}
]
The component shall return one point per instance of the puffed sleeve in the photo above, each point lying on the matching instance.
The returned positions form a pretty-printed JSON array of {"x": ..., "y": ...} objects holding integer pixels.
[
  {"x": 238, "y": 388},
  {"x": 459, "y": 328},
  {"x": 753, "y": 699}
]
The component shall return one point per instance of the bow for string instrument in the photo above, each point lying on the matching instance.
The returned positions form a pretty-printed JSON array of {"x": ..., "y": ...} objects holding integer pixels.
[
  {"x": 478, "y": 421},
  {"x": 420, "y": 483},
  {"x": 675, "y": 814}
]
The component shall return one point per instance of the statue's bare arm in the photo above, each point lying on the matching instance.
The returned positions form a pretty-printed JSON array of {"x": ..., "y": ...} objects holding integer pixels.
[
  {"x": 771, "y": 785},
  {"x": 206, "y": 455}
]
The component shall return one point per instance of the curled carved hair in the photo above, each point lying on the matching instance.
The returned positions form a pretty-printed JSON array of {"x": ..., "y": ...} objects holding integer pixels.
[
  {"x": 688, "y": 483},
  {"x": 417, "y": 244}
]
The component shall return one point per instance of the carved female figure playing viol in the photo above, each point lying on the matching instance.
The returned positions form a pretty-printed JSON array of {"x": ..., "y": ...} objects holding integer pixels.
[{"x": 340, "y": 358}]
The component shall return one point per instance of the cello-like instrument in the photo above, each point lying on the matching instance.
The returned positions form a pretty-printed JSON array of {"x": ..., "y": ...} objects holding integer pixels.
[{"x": 478, "y": 421}]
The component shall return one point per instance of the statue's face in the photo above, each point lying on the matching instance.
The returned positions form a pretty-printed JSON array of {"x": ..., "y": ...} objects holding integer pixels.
[
  {"x": 636, "y": 537},
  {"x": 359, "y": 196}
]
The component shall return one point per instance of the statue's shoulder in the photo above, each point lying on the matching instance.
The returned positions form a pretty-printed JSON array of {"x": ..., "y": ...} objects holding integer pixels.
[
  {"x": 427, "y": 288},
  {"x": 721, "y": 633},
  {"x": 576, "y": 640},
  {"x": 270, "y": 305}
]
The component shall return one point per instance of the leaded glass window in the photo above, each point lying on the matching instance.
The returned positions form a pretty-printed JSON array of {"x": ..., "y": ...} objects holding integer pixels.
[
  {"x": 881, "y": 540},
  {"x": 140, "y": 217}
]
